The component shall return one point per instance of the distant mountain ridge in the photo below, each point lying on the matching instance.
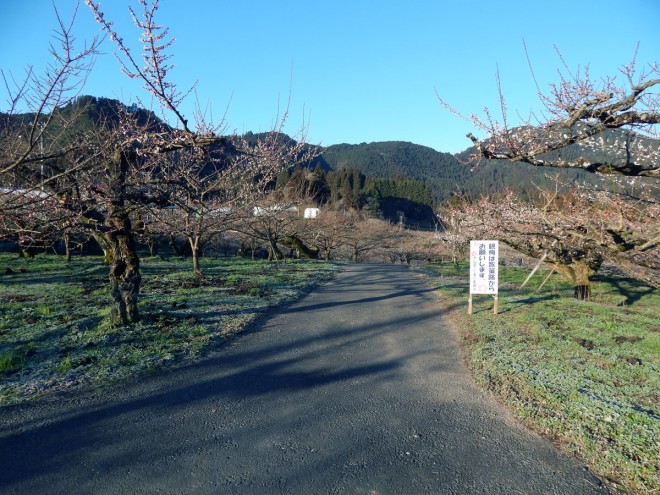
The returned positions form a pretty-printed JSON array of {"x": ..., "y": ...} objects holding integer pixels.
[
  {"x": 445, "y": 174},
  {"x": 459, "y": 174},
  {"x": 394, "y": 159}
]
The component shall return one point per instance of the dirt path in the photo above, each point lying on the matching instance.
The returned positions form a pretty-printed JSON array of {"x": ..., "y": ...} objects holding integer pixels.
[{"x": 358, "y": 388}]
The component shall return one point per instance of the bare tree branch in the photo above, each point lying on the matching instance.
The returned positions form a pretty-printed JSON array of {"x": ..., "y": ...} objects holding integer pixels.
[{"x": 41, "y": 94}]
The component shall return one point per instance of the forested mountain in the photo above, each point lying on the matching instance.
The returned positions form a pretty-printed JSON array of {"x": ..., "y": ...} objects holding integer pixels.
[
  {"x": 401, "y": 200},
  {"x": 88, "y": 113},
  {"x": 444, "y": 173}
]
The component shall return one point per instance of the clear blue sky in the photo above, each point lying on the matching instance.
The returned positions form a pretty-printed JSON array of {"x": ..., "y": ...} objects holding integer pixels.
[{"x": 362, "y": 70}]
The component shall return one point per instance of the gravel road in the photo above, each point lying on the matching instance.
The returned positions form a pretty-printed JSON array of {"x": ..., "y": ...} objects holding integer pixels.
[{"x": 357, "y": 389}]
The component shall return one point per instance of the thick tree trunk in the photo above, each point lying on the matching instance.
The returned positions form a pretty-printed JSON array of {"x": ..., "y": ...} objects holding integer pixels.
[
  {"x": 121, "y": 243},
  {"x": 124, "y": 273},
  {"x": 24, "y": 252},
  {"x": 105, "y": 246},
  {"x": 300, "y": 247},
  {"x": 576, "y": 264},
  {"x": 274, "y": 253},
  {"x": 582, "y": 285},
  {"x": 578, "y": 272},
  {"x": 175, "y": 249},
  {"x": 582, "y": 292}
]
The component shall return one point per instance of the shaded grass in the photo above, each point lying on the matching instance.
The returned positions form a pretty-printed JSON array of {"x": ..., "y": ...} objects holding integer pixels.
[
  {"x": 55, "y": 332},
  {"x": 584, "y": 373}
]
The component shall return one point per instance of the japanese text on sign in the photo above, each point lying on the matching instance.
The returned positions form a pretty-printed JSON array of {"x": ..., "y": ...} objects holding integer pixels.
[{"x": 483, "y": 267}]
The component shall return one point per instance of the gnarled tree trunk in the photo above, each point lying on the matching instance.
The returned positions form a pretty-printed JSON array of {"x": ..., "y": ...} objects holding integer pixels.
[
  {"x": 124, "y": 273},
  {"x": 24, "y": 251},
  {"x": 120, "y": 242},
  {"x": 309, "y": 252},
  {"x": 274, "y": 253},
  {"x": 577, "y": 264},
  {"x": 178, "y": 252},
  {"x": 578, "y": 272}
]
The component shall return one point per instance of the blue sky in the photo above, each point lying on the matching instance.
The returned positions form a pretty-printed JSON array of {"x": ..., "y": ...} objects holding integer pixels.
[{"x": 360, "y": 71}]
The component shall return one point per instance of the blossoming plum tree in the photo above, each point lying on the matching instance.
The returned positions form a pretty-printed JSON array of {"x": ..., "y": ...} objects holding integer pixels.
[
  {"x": 574, "y": 231},
  {"x": 106, "y": 176}
]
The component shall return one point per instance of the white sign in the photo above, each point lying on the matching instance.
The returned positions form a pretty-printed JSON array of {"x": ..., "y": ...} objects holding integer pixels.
[{"x": 483, "y": 267}]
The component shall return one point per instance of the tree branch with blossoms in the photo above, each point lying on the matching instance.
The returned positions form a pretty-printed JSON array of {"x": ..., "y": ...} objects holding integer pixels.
[
  {"x": 577, "y": 110},
  {"x": 156, "y": 66}
]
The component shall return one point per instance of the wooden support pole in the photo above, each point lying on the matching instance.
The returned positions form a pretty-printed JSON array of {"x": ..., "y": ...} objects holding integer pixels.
[
  {"x": 470, "y": 305},
  {"x": 495, "y": 305},
  {"x": 535, "y": 268},
  {"x": 545, "y": 255},
  {"x": 547, "y": 278}
]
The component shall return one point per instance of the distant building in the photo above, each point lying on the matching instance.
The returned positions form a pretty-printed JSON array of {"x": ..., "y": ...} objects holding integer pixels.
[
  {"x": 311, "y": 212},
  {"x": 262, "y": 211}
]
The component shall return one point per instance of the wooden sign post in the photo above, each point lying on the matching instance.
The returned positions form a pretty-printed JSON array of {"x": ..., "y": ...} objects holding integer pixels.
[{"x": 484, "y": 259}]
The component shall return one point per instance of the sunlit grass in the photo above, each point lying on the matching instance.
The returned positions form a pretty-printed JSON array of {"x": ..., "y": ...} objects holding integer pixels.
[{"x": 585, "y": 373}]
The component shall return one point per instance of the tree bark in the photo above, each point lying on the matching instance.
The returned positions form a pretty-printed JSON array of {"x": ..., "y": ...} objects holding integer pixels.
[
  {"x": 274, "y": 253},
  {"x": 121, "y": 242},
  {"x": 582, "y": 284},
  {"x": 153, "y": 247},
  {"x": 175, "y": 249},
  {"x": 296, "y": 243},
  {"x": 578, "y": 272},
  {"x": 253, "y": 249},
  {"x": 124, "y": 273},
  {"x": 24, "y": 252},
  {"x": 574, "y": 264},
  {"x": 67, "y": 247},
  {"x": 194, "y": 247}
]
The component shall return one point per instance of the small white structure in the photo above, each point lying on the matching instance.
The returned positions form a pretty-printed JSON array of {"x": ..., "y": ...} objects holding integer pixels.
[
  {"x": 311, "y": 212},
  {"x": 263, "y": 211},
  {"x": 220, "y": 212}
]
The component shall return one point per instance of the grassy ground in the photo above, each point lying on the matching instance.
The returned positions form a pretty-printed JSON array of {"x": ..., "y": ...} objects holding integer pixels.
[
  {"x": 586, "y": 374},
  {"x": 54, "y": 330}
]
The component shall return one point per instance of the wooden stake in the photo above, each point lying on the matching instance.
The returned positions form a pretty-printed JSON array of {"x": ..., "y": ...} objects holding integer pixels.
[
  {"x": 545, "y": 255},
  {"x": 535, "y": 268},
  {"x": 547, "y": 278},
  {"x": 495, "y": 305},
  {"x": 470, "y": 305}
]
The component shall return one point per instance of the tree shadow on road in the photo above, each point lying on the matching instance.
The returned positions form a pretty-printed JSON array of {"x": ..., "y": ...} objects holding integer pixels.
[{"x": 109, "y": 432}]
